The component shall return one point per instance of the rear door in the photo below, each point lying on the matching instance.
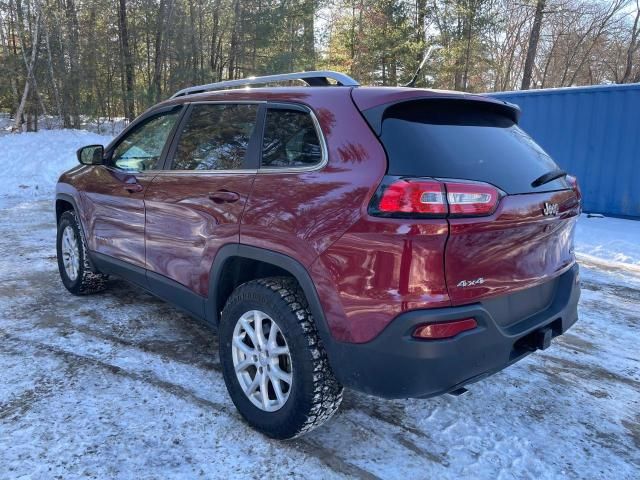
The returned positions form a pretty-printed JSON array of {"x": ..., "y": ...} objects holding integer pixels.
[
  {"x": 194, "y": 206},
  {"x": 529, "y": 237}
]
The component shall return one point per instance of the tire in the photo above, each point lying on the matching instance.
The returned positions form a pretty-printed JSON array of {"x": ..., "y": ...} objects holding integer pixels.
[
  {"x": 81, "y": 278},
  {"x": 313, "y": 394}
]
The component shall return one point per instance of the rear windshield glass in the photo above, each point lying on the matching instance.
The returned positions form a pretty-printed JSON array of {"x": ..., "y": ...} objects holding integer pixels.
[{"x": 465, "y": 140}]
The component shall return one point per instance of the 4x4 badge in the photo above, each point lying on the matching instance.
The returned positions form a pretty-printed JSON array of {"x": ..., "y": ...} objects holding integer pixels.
[
  {"x": 550, "y": 209},
  {"x": 471, "y": 283}
]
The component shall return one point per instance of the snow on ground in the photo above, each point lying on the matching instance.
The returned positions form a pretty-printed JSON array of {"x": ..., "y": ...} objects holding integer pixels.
[
  {"x": 609, "y": 241},
  {"x": 32, "y": 162},
  {"x": 122, "y": 385}
]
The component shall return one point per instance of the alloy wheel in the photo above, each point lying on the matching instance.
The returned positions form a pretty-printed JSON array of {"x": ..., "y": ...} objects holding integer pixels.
[
  {"x": 262, "y": 360},
  {"x": 70, "y": 253}
]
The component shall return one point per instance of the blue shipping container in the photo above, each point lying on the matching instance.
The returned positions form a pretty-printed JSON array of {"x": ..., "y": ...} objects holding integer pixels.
[{"x": 592, "y": 133}]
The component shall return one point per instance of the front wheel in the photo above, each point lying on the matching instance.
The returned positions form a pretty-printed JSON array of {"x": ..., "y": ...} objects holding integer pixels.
[
  {"x": 274, "y": 365},
  {"x": 76, "y": 271}
]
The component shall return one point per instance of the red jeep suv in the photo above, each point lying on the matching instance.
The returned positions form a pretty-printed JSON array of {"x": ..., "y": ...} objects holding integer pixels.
[{"x": 398, "y": 241}]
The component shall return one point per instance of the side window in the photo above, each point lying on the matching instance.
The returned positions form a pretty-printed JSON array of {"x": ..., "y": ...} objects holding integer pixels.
[
  {"x": 290, "y": 139},
  {"x": 140, "y": 150},
  {"x": 216, "y": 137}
]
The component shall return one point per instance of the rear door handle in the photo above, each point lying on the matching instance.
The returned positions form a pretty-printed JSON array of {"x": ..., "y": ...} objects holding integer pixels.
[
  {"x": 224, "y": 196},
  {"x": 133, "y": 188}
]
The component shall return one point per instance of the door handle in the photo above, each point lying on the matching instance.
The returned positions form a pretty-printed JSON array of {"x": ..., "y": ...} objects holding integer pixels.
[
  {"x": 133, "y": 187},
  {"x": 224, "y": 196}
]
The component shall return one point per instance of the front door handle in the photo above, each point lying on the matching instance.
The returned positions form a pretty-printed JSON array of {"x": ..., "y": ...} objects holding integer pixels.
[
  {"x": 133, "y": 187},
  {"x": 224, "y": 196}
]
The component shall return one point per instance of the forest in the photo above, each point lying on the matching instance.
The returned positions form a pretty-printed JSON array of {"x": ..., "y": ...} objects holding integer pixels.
[{"x": 73, "y": 59}]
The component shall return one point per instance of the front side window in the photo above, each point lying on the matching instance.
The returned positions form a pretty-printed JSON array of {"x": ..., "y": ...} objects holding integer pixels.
[
  {"x": 141, "y": 149},
  {"x": 216, "y": 137},
  {"x": 290, "y": 139}
]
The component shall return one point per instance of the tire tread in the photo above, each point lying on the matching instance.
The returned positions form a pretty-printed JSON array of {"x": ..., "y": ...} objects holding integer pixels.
[
  {"x": 327, "y": 391},
  {"x": 91, "y": 281}
]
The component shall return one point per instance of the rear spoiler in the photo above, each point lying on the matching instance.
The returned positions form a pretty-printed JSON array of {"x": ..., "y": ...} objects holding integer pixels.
[{"x": 375, "y": 115}]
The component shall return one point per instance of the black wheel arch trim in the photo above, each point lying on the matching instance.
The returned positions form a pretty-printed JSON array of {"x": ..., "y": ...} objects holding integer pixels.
[
  {"x": 70, "y": 199},
  {"x": 291, "y": 265}
]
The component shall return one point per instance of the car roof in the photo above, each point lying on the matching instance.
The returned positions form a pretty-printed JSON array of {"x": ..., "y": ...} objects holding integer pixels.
[{"x": 366, "y": 97}]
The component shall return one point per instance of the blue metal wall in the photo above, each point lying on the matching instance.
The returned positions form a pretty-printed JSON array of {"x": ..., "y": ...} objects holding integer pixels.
[{"x": 592, "y": 133}]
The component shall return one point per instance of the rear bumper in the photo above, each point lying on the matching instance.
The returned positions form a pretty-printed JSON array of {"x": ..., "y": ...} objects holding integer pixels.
[{"x": 395, "y": 365}]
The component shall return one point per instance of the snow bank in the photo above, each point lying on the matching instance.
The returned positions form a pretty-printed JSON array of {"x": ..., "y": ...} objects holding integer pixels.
[
  {"x": 32, "y": 162},
  {"x": 99, "y": 125},
  {"x": 609, "y": 241}
]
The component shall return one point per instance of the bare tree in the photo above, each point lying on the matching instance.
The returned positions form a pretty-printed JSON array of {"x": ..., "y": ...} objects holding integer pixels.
[
  {"x": 128, "y": 101},
  {"x": 30, "y": 72},
  {"x": 634, "y": 45},
  {"x": 534, "y": 37}
]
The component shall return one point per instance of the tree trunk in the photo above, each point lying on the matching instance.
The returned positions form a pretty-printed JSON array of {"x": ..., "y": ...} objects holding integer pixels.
[
  {"x": 12, "y": 78},
  {"x": 533, "y": 45},
  {"x": 30, "y": 67},
  {"x": 74, "y": 74},
  {"x": 54, "y": 83},
  {"x": 165, "y": 11},
  {"x": 633, "y": 47},
  {"x": 128, "y": 100},
  {"x": 308, "y": 39},
  {"x": 192, "y": 43}
]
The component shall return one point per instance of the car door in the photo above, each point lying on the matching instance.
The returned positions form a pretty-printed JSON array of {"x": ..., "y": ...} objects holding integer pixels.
[
  {"x": 194, "y": 206},
  {"x": 114, "y": 196}
]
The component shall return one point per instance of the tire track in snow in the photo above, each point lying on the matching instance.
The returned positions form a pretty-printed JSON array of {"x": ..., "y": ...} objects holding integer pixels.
[
  {"x": 76, "y": 358},
  {"x": 303, "y": 445}
]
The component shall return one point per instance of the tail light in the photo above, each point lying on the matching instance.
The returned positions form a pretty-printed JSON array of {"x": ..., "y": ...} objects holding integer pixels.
[
  {"x": 414, "y": 196},
  {"x": 430, "y": 198}
]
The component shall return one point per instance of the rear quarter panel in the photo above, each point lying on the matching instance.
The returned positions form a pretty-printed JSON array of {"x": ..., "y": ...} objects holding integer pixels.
[{"x": 301, "y": 214}]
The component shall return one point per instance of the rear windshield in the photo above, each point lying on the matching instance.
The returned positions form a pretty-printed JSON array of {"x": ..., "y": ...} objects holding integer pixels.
[{"x": 465, "y": 140}]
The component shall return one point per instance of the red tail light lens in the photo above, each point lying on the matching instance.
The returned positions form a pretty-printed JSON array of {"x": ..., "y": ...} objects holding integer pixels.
[
  {"x": 413, "y": 196},
  {"x": 436, "y": 331},
  {"x": 470, "y": 199},
  {"x": 408, "y": 197}
]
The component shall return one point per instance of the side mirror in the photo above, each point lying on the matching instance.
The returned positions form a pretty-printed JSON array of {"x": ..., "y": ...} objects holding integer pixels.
[{"x": 90, "y": 155}]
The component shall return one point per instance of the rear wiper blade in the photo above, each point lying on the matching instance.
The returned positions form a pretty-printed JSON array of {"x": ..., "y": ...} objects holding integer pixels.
[{"x": 548, "y": 177}]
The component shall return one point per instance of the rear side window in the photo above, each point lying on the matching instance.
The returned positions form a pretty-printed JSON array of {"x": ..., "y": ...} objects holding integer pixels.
[
  {"x": 290, "y": 139},
  {"x": 216, "y": 137},
  {"x": 465, "y": 140}
]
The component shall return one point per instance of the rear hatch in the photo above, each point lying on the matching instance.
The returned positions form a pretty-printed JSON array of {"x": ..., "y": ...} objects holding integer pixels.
[{"x": 526, "y": 238}]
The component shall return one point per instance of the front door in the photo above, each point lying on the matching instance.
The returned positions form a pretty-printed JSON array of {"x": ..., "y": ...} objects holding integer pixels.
[
  {"x": 114, "y": 197},
  {"x": 194, "y": 206}
]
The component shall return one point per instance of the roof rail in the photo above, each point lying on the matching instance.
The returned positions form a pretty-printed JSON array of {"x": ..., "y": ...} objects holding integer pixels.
[{"x": 313, "y": 79}]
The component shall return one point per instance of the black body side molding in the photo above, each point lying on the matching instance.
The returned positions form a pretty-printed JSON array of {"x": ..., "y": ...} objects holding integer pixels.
[
  {"x": 158, "y": 285},
  {"x": 207, "y": 309}
]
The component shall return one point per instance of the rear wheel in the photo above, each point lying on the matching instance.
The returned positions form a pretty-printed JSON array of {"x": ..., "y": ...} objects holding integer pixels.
[
  {"x": 274, "y": 365},
  {"x": 76, "y": 271}
]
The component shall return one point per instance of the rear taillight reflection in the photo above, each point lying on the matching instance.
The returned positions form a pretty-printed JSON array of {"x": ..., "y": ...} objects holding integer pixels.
[
  {"x": 436, "y": 331},
  {"x": 404, "y": 197},
  {"x": 471, "y": 198}
]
